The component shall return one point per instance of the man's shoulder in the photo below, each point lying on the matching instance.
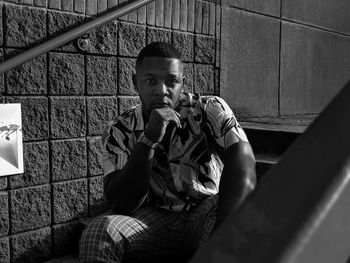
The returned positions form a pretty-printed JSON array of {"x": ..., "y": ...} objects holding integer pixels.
[
  {"x": 214, "y": 112},
  {"x": 129, "y": 114},
  {"x": 204, "y": 103},
  {"x": 127, "y": 122},
  {"x": 216, "y": 104},
  {"x": 130, "y": 119}
]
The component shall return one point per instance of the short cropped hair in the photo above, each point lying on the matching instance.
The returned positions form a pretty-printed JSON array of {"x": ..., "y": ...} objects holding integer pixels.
[{"x": 158, "y": 49}]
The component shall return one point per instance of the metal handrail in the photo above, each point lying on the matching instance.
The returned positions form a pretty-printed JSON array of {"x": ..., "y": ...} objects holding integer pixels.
[
  {"x": 71, "y": 35},
  {"x": 290, "y": 216}
]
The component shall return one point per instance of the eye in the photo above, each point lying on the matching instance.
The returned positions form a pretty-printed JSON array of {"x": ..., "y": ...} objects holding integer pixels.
[
  {"x": 172, "y": 82},
  {"x": 150, "y": 81}
]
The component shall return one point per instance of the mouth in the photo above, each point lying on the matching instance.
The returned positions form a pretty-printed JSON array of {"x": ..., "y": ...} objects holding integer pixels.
[{"x": 160, "y": 104}]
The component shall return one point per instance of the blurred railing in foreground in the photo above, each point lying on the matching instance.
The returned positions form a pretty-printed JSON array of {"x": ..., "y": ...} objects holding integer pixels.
[{"x": 300, "y": 212}]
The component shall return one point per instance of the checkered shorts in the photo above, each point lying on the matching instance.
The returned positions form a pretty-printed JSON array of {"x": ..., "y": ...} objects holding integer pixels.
[{"x": 149, "y": 235}]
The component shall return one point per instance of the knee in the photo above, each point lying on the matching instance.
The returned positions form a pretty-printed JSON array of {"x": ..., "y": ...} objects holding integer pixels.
[{"x": 101, "y": 241}]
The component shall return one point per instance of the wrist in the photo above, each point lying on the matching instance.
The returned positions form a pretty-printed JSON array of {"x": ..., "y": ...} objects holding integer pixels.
[
  {"x": 147, "y": 141},
  {"x": 150, "y": 136}
]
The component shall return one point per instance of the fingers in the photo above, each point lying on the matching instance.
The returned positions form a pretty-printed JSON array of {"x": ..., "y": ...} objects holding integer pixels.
[
  {"x": 175, "y": 118},
  {"x": 168, "y": 115},
  {"x": 159, "y": 120}
]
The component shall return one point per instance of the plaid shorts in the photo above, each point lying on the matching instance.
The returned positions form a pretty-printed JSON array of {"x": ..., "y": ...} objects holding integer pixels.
[{"x": 150, "y": 234}]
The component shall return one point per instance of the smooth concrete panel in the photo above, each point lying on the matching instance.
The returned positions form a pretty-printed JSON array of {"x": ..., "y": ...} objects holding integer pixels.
[
  {"x": 249, "y": 62},
  {"x": 271, "y": 7},
  {"x": 331, "y": 14},
  {"x": 315, "y": 65}
]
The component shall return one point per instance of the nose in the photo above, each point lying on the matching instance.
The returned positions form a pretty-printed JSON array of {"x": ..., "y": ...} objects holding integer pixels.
[{"x": 161, "y": 89}]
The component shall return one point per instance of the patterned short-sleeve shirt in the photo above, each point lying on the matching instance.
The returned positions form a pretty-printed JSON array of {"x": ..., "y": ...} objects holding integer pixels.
[{"x": 187, "y": 167}]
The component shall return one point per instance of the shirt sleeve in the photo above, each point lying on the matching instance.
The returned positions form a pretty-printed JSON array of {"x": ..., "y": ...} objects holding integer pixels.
[
  {"x": 222, "y": 123},
  {"x": 116, "y": 146}
]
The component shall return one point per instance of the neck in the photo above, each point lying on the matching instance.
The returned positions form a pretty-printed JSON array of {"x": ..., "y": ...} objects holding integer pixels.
[{"x": 145, "y": 114}]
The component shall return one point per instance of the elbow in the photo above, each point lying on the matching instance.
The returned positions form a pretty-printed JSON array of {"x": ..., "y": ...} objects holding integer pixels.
[
  {"x": 247, "y": 177},
  {"x": 116, "y": 202},
  {"x": 250, "y": 172},
  {"x": 250, "y": 180},
  {"x": 240, "y": 161},
  {"x": 107, "y": 189},
  {"x": 112, "y": 196},
  {"x": 119, "y": 198}
]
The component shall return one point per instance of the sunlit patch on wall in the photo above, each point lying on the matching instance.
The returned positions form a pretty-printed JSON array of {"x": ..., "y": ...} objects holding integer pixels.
[{"x": 11, "y": 144}]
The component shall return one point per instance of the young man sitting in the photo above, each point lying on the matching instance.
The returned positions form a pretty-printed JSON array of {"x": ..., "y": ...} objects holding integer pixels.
[{"x": 175, "y": 166}]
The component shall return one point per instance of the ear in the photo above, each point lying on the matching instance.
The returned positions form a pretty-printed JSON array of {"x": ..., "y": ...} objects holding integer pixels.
[
  {"x": 183, "y": 82},
  {"x": 134, "y": 81}
]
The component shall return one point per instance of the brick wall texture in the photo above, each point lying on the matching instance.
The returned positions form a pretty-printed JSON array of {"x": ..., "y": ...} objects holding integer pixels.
[
  {"x": 266, "y": 58},
  {"x": 67, "y": 98}
]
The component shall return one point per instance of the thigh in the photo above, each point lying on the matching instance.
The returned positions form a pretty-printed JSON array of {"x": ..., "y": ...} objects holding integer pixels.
[
  {"x": 147, "y": 235},
  {"x": 106, "y": 237},
  {"x": 161, "y": 240}
]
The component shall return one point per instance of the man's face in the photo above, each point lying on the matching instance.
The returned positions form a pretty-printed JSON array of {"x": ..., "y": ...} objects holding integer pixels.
[{"x": 159, "y": 82}]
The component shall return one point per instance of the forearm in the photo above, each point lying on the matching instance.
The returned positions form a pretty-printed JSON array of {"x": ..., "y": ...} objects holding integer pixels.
[
  {"x": 127, "y": 188},
  {"x": 238, "y": 179},
  {"x": 235, "y": 186}
]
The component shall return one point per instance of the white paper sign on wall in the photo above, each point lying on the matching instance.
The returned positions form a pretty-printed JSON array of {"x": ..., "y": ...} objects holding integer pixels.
[{"x": 11, "y": 144}]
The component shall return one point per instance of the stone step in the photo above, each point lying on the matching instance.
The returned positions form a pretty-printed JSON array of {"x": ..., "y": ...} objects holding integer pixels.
[
  {"x": 264, "y": 162},
  {"x": 267, "y": 158},
  {"x": 270, "y": 140},
  {"x": 293, "y": 124}
]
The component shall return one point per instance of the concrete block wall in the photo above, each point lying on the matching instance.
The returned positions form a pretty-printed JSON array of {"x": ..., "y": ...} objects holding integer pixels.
[
  {"x": 67, "y": 98},
  {"x": 284, "y": 59}
]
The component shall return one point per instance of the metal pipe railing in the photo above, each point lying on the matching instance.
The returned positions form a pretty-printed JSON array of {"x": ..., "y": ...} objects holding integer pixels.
[{"x": 70, "y": 35}]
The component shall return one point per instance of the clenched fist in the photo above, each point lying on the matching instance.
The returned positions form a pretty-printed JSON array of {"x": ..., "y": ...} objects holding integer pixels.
[{"x": 159, "y": 120}]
